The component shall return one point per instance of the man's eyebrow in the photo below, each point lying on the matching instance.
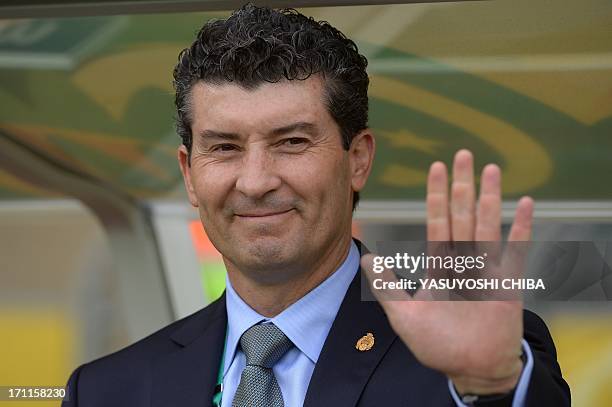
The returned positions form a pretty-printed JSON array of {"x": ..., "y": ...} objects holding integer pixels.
[
  {"x": 305, "y": 127},
  {"x": 218, "y": 135}
]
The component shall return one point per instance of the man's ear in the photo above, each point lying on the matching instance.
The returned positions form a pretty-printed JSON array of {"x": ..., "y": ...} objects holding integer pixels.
[
  {"x": 183, "y": 159},
  {"x": 361, "y": 156}
]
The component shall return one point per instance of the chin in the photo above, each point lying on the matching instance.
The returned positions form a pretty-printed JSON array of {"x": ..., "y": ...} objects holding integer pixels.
[{"x": 269, "y": 253}]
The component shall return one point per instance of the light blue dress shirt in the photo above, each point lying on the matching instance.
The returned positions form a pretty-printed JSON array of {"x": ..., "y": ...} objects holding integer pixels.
[{"x": 307, "y": 323}]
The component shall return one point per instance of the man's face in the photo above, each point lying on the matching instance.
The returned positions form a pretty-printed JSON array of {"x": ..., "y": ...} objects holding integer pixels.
[{"x": 269, "y": 176}]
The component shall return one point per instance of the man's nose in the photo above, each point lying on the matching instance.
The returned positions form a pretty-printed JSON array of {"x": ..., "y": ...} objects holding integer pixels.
[{"x": 257, "y": 176}]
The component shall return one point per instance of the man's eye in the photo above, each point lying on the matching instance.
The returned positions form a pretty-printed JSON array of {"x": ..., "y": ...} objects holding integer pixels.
[
  {"x": 294, "y": 141},
  {"x": 224, "y": 147}
]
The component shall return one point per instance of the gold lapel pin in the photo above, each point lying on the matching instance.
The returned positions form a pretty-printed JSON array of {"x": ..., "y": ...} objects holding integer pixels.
[{"x": 365, "y": 342}]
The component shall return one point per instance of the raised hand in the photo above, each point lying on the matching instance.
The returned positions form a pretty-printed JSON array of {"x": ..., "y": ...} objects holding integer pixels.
[{"x": 477, "y": 344}]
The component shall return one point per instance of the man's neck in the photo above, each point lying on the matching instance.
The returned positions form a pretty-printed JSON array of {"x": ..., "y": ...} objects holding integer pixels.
[{"x": 270, "y": 300}]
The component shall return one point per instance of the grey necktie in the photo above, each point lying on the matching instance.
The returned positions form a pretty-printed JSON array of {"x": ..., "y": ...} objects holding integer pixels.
[{"x": 263, "y": 345}]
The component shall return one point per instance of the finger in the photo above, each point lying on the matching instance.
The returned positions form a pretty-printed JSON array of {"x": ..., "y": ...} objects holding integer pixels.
[
  {"x": 517, "y": 249},
  {"x": 512, "y": 267},
  {"x": 523, "y": 218},
  {"x": 488, "y": 213},
  {"x": 463, "y": 199},
  {"x": 397, "y": 304},
  {"x": 438, "y": 225}
]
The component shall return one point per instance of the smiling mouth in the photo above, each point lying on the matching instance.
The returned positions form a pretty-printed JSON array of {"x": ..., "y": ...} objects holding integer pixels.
[{"x": 262, "y": 215}]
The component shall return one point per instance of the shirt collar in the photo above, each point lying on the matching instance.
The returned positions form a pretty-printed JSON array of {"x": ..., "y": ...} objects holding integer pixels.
[{"x": 306, "y": 322}]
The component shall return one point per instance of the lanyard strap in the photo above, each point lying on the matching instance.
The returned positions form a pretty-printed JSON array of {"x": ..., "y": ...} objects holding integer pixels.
[{"x": 219, "y": 387}]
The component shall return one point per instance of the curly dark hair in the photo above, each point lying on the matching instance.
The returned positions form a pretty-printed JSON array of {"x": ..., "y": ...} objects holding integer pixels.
[{"x": 259, "y": 44}]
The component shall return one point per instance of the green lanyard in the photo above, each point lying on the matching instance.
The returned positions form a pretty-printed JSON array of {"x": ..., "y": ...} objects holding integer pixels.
[{"x": 219, "y": 387}]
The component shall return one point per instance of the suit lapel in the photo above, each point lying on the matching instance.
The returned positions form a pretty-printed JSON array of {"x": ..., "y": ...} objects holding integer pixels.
[
  {"x": 187, "y": 376},
  {"x": 342, "y": 371}
]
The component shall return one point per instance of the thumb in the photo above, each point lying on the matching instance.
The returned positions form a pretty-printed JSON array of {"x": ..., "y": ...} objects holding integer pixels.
[{"x": 382, "y": 282}]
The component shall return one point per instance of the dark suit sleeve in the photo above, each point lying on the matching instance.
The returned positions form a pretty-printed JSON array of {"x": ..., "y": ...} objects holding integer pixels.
[
  {"x": 547, "y": 386},
  {"x": 71, "y": 397}
]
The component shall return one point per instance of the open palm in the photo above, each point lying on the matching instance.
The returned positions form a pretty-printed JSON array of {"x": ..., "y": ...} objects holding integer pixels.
[{"x": 475, "y": 343}]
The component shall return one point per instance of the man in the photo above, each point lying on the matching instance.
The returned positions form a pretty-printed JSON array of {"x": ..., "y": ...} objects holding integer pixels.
[{"x": 272, "y": 110}]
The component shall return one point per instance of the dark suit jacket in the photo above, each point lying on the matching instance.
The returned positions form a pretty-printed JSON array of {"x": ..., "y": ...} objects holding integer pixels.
[{"x": 178, "y": 365}]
